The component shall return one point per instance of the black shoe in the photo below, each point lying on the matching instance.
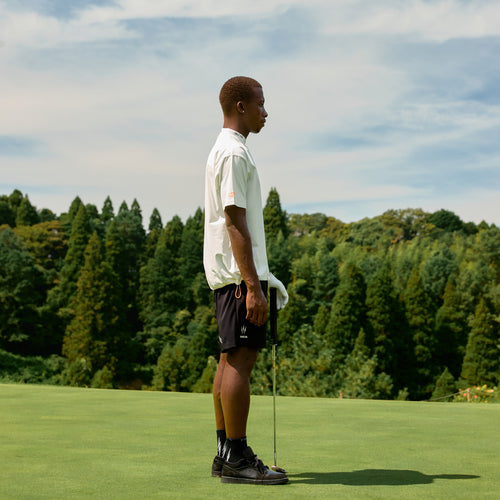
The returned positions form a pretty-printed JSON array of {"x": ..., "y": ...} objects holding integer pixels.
[
  {"x": 217, "y": 466},
  {"x": 250, "y": 470}
]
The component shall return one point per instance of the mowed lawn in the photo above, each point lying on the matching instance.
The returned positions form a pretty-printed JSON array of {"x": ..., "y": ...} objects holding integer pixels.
[{"x": 63, "y": 443}]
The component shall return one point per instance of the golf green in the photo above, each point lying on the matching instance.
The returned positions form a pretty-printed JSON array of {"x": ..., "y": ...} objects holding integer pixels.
[{"x": 63, "y": 443}]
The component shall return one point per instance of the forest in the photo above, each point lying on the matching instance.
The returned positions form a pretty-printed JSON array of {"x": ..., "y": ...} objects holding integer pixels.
[{"x": 404, "y": 305}]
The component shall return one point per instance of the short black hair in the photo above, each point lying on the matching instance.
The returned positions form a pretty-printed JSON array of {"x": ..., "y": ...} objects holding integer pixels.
[{"x": 238, "y": 88}]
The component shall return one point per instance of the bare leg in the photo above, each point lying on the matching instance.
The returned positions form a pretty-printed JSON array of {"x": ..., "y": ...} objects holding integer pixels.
[
  {"x": 235, "y": 390},
  {"x": 219, "y": 414}
]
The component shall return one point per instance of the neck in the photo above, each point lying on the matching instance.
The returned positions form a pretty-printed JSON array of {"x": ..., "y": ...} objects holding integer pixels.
[{"x": 235, "y": 124}]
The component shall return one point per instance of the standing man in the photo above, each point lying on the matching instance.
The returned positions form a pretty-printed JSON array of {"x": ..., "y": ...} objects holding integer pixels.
[{"x": 237, "y": 270}]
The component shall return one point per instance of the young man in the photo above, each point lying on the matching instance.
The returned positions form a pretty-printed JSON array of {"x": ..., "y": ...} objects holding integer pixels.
[{"x": 237, "y": 270}]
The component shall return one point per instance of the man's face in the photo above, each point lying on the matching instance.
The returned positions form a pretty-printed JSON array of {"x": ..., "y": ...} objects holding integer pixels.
[{"x": 255, "y": 113}]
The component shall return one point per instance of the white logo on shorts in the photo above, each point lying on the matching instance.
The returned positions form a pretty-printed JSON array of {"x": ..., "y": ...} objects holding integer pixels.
[{"x": 243, "y": 334}]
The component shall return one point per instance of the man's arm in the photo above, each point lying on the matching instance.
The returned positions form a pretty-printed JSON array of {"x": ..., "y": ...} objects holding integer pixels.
[{"x": 241, "y": 243}]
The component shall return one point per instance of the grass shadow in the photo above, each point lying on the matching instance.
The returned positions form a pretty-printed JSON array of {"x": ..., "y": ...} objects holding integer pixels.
[{"x": 373, "y": 477}]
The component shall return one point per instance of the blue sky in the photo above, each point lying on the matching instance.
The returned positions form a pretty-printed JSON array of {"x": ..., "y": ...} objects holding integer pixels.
[{"x": 372, "y": 105}]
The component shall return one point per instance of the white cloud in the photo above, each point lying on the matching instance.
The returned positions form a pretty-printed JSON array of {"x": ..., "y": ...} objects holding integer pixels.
[{"x": 119, "y": 110}]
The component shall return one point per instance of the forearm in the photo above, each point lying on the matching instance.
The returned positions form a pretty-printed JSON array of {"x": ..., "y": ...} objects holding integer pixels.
[{"x": 241, "y": 245}]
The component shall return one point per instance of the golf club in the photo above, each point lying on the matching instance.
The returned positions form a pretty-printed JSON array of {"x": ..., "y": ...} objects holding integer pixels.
[{"x": 274, "y": 340}]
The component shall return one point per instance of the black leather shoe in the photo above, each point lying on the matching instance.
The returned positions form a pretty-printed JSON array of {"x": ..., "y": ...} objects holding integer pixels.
[
  {"x": 250, "y": 470},
  {"x": 217, "y": 466}
]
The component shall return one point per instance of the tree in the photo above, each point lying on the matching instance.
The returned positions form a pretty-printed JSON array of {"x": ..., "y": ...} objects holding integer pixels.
[
  {"x": 90, "y": 342},
  {"x": 482, "y": 353},
  {"x": 26, "y": 213},
  {"x": 359, "y": 374},
  {"x": 275, "y": 219},
  {"x": 445, "y": 387},
  {"x": 60, "y": 296},
  {"x": 384, "y": 319},
  {"x": 20, "y": 295},
  {"x": 347, "y": 315},
  {"x": 420, "y": 318},
  {"x": 124, "y": 250},
  {"x": 7, "y": 215},
  {"x": 444, "y": 219},
  {"x": 155, "y": 221}
]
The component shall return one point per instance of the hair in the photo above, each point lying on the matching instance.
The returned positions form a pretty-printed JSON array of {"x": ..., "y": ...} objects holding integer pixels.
[{"x": 238, "y": 88}]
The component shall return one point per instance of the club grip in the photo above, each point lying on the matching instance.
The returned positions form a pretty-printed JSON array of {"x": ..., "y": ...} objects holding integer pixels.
[{"x": 273, "y": 315}]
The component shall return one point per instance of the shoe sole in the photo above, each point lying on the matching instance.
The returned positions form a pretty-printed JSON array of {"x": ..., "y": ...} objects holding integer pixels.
[{"x": 244, "y": 480}]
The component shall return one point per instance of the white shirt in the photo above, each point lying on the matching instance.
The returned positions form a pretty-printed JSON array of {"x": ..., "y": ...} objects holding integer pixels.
[{"x": 231, "y": 178}]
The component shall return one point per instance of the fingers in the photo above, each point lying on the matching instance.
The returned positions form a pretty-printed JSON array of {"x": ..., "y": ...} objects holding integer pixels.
[
  {"x": 256, "y": 309},
  {"x": 257, "y": 316}
]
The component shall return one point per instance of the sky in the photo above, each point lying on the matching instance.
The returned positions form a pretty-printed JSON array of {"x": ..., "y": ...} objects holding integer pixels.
[{"x": 373, "y": 105}]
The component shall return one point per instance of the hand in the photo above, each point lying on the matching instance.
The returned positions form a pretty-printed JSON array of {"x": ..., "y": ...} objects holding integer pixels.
[
  {"x": 256, "y": 307},
  {"x": 281, "y": 295}
]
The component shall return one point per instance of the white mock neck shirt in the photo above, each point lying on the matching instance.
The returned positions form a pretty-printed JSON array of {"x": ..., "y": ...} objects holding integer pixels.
[{"x": 231, "y": 178}]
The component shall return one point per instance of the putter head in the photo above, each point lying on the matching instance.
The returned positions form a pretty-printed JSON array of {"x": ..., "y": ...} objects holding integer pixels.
[{"x": 278, "y": 469}]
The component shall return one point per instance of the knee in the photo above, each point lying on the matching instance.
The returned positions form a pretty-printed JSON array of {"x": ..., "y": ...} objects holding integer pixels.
[{"x": 243, "y": 359}]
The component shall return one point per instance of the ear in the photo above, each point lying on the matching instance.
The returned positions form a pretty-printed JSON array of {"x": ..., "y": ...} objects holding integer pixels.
[{"x": 240, "y": 107}]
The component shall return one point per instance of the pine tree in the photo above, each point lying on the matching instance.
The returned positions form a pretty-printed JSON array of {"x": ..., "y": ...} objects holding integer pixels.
[
  {"x": 359, "y": 374},
  {"x": 107, "y": 213},
  {"x": 60, "y": 296},
  {"x": 155, "y": 221},
  {"x": 383, "y": 318},
  {"x": 20, "y": 295},
  {"x": 445, "y": 387},
  {"x": 91, "y": 337},
  {"x": 348, "y": 313},
  {"x": 482, "y": 354},
  {"x": 26, "y": 213},
  {"x": 6, "y": 213},
  {"x": 124, "y": 250},
  {"x": 419, "y": 315},
  {"x": 451, "y": 331},
  {"x": 275, "y": 219}
]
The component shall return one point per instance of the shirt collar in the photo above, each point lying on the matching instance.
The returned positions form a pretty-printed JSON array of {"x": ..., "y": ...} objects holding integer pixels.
[{"x": 237, "y": 135}]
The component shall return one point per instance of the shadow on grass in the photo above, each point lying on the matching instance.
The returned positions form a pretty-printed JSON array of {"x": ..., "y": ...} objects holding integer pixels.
[{"x": 373, "y": 477}]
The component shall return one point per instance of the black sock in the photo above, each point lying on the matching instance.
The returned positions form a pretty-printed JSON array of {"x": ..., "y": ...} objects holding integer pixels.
[
  {"x": 221, "y": 441},
  {"x": 234, "y": 449}
]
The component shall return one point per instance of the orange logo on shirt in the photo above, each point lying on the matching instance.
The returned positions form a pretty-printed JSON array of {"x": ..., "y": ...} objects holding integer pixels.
[{"x": 231, "y": 194}]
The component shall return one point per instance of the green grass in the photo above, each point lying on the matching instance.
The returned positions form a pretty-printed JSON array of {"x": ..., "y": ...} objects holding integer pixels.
[{"x": 63, "y": 443}]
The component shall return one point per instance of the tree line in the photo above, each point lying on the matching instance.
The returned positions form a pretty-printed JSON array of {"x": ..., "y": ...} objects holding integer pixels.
[{"x": 403, "y": 305}]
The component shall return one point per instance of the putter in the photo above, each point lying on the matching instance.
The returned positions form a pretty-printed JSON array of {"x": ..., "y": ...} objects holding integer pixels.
[{"x": 273, "y": 320}]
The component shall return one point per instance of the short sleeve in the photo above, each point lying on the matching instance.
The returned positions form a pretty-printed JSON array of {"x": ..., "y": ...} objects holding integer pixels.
[{"x": 233, "y": 181}]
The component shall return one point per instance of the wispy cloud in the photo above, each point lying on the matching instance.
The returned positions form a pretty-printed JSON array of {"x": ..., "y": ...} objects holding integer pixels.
[{"x": 372, "y": 105}]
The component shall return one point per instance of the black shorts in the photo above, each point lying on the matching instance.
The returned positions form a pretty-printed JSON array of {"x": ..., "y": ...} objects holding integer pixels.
[{"x": 231, "y": 311}]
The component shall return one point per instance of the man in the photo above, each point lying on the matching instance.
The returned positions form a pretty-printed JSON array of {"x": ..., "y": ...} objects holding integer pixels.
[{"x": 237, "y": 270}]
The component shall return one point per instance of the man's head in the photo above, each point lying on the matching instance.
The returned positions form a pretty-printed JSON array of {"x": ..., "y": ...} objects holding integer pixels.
[{"x": 242, "y": 101}]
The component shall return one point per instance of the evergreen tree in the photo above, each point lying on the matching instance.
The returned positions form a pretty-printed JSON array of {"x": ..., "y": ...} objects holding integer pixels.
[
  {"x": 155, "y": 221},
  {"x": 90, "y": 342},
  {"x": 191, "y": 254},
  {"x": 482, "y": 354},
  {"x": 451, "y": 331},
  {"x": 275, "y": 219},
  {"x": 26, "y": 213},
  {"x": 61, "y": 295},
  {"x": 384, "y": 319},
  {"x": 107, "y": 213},
  {"x": 421, "y": 323},
  {"x": 20, "y": 295},
  {"x": 6, "y": 213},
  {"x": 359, "y": 374},
  {"x": 124, "y": 249},
  {"x": 326, "y": 278},
  {"x": 445, "y": 387},
  {"x": 348, "y": 313},
  {"x": 15, "y": 199}
]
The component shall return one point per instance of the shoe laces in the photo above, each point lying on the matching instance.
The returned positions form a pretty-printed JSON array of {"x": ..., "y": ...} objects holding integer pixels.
[{"x": 257, "y": 463}]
